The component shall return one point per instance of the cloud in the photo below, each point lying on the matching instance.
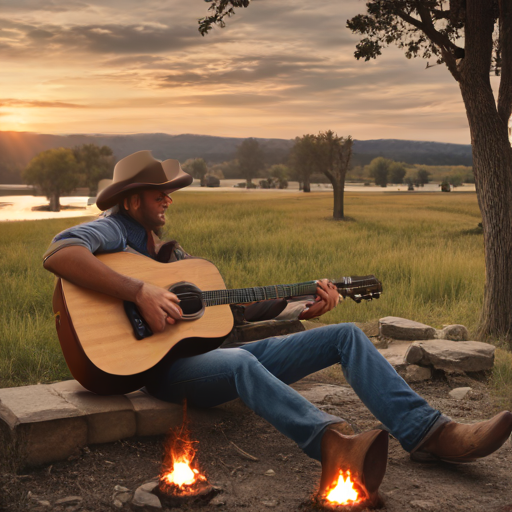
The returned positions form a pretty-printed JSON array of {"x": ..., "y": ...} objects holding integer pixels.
[{"x": 37, "y": 104}]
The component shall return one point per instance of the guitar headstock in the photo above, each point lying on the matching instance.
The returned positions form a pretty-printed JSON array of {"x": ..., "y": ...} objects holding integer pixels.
[{"x": 359, "y": 288}]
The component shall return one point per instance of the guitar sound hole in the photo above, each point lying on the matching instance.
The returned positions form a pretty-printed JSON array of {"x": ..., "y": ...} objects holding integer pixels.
[
  {"x": 191, "y": 300},
  {"x": 190, "y": 304}
]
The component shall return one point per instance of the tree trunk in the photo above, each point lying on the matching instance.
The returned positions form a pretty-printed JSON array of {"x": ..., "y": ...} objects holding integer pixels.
[
  {"x": 338, "y": 187},
  {"x": 307, "y": 185},
  {"x": 55, "y": 202},
  {"x": 492, "y": 165}
]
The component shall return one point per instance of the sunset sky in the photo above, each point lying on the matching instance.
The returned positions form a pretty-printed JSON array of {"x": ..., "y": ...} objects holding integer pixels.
[{"x": 279, "y": 69}]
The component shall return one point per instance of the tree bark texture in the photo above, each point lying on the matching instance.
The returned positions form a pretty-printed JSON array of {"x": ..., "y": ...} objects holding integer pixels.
[
  {"x": 307, "y": 185},
  {"x": 55, "y": 202},
  {"x": 338, "y": 192},
  {"x": 492, "y": 165}
]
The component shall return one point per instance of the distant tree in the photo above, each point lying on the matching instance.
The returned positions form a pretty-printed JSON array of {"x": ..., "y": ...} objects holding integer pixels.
[
  {"x": 230, "y": 169},
  {"x": 358, "y": 173},
  {"x": 55, "y": 172},
  {"x": 197, "y": 168},
  {"x": 379, "y": 170},
  {"x": 396, "y": 173},
  {"x": 455, "y": 180},
  {"x": 334, "y": 154},
  {"x": 422, "y": 177},
  {"x": 250, "y": 159},
  {"x": 95, "y": 163},
  {"x": 280, "y": 173},
  {"x": 304, "y": 159}
]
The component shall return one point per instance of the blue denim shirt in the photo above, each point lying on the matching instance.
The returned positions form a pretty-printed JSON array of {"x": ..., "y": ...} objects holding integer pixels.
[{"x": 107, "y": 234}]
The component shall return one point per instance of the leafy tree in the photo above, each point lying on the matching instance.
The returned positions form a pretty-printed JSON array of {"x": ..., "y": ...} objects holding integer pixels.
[
  {"x": 456, "y": 180},
  {"x": 304, "y": 159},
  {"x": 334, "y": 155},
  {"x": 229, "y": 169},
  {"x": 379, "y": 170},
  {"x": 396, "y": 173},
  {"x": 95, "y": 163},
  {"x": 422, "y": 177},
  {"x": 55, "y": 172},
  {"x": 250, "y": 159},
  {"x": 197, "y": 168},
  {"x": 280, "y": 173},
  {"x": 472, "y": 38}
]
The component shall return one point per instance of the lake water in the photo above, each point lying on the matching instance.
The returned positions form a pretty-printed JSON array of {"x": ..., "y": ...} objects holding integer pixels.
[{"x": 21, "y": 207}]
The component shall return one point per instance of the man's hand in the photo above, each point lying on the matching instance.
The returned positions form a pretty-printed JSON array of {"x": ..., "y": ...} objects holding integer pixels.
[
  {"x": 327, "y": 298},
  {"x": 158, "y": 306}
]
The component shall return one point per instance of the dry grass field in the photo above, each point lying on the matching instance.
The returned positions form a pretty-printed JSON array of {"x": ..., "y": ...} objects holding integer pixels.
[{"x": 426, "y": 249}]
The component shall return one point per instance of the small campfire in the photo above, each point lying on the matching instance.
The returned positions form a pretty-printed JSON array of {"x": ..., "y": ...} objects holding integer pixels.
[
  {"x": 181, "y": 480},
  {"x": 343, "y": 492},
  {"x": 346, "y": 494}
]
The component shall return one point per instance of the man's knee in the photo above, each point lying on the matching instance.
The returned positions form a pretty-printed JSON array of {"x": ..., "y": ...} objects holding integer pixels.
[
  {"x": 348, "y": 332},
  {"x": 242, "y": 360}
]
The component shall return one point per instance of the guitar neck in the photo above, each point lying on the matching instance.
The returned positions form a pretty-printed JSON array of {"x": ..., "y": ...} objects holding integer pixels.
[
  {"x": 355, "y": 287},
  {"x": 258, "y": 293}
]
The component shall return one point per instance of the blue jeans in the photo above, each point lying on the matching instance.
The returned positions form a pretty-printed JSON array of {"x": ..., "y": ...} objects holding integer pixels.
[{"x": 259, "y": 373}]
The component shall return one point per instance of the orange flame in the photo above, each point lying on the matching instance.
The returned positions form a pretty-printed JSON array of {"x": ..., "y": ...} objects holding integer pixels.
[
  {"x": 342, "y": 492},
  {"x": 179, "y": 474}
]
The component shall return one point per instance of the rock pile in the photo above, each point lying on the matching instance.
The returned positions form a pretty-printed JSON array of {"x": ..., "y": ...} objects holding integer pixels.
[{"x": 446, "y": 349}]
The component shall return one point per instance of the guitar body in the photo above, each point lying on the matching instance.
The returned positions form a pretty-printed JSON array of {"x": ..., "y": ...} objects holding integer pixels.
[{"x": 97, "y": 338}]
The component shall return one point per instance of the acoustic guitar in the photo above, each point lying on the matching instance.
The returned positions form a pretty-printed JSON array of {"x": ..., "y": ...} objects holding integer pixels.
[{"x": 98, "y": 339}]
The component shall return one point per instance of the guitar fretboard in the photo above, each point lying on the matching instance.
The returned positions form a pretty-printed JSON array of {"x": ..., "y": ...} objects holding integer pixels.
[{"x": 246, "y": 295}]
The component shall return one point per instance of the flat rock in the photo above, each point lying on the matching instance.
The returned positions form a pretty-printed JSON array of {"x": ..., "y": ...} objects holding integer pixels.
[
  {"x": 395, "y": 353},
  {"x": 404, "y": 329},
  {"x": 455, "y": 332},
  {"x": 415, "y": 373},
  {"x": 459, "y": 393},
  {"x": 465, "y": 356}
]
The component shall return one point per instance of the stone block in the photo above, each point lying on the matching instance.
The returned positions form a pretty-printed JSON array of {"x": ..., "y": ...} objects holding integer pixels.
[
  {"x": 39, "y": 426},
  {"x": 458, "y": 356},
  {"x": 153, "y": 416},
  {"x": 414, "y": 373},
  {"x": 109, "y": 418},
  {"x": 404, "y": 329}
]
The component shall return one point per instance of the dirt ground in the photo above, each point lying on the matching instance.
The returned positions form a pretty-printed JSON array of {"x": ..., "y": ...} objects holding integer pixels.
[{"x": 485, "y": 485}]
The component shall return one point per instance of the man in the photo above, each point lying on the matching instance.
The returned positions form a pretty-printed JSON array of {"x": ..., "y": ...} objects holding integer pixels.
[{"x": 259, "y": 372}]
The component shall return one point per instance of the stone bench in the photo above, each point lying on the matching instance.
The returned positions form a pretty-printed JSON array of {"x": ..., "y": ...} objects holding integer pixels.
[{"x": 49, "y": 422}]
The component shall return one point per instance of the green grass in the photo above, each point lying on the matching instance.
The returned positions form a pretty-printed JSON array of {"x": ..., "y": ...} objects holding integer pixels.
[{"x": 425, "y": 249}]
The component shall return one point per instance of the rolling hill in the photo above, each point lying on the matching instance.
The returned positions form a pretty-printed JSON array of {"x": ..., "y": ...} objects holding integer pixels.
[{"x": 18, "y": 148}]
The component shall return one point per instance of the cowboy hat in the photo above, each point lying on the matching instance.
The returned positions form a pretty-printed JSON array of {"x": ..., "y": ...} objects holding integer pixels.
[{"x": 141, "y": 170}]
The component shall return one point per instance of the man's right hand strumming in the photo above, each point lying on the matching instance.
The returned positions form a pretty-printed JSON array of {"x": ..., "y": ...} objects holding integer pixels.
[{"x": 158, "y": 306}]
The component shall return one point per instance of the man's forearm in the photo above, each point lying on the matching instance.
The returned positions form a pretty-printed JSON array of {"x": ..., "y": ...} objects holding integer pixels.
[{"x": 77, "y": 265}]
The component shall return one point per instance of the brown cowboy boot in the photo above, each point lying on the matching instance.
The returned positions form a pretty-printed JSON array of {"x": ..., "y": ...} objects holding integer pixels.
[
  {"x": 455, "y": 442},
  {"x": 365, "y": 455}
]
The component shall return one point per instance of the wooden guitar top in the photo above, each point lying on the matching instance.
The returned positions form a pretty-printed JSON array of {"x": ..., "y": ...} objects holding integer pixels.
[{"x": 104, "y": 330}]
